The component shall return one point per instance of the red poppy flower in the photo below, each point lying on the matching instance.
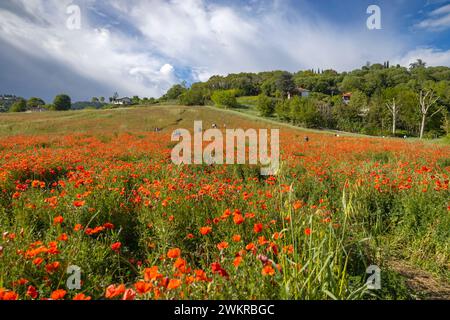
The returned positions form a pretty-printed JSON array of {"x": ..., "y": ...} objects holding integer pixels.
[
  {"x": 205, "y": 230},
  {"x": 174, "y": 253},
  {"x": 173, "y": 284},
  {"x": 258, "y": 227},
  {"x": 268, "y": 270},
  {"x": 58, "y": 294},
  {"x": 116, "y": 246},
  {"x": 81, "y": 297}
]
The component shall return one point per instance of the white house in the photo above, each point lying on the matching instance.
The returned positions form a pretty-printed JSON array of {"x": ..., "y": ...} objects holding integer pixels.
[
  {"x": 304, "y": 93},
  {"x": 301, "y": 92},
  {"x": 122, "y": 101}
]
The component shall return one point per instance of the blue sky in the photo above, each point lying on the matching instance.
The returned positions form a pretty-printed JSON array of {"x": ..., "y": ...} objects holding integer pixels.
[{"x": 142, "y": 47}]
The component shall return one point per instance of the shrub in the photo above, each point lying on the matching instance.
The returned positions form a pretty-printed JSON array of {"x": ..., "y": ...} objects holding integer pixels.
[
  {"x": 225, "y": 98},
  {"x": 193, "y": 97},
  {"x": 19, "y": 106},
  {"x": 62, "y": 102},
  {"x": 265, "y": 105}
]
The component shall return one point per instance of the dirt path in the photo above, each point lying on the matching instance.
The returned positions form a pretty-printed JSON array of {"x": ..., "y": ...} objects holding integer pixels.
[{"x": 424, "y": 285}]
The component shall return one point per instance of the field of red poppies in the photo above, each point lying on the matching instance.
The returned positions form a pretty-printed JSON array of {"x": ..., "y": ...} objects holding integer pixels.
[{"x": 96, "y": 190}]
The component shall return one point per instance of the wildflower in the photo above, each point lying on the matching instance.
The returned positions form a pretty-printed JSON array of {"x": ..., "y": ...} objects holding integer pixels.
[
  {"x": 81, "y": 297},
  {"x": 308, "y": 231},
  {"x": 116, "y": 246},
  {"x": 112, "y": 291},
  {"x": 298, "y": 205},
  {"x": 250, "y": 247},
  {"x": 217, "y": 268},
  {"x": 174, "y": 253},
  {"x": 58, "y": 220},
  {"x": 257, "y": 228},
  {"x": 143, "y": 287},
  {"x": 268, "y": 270},
  {"x": 223, "y": 245},
  {"x": 238, "y": 219},
  {"x": 79, "y": 203},
  {"x": 173, "y": 284},
  {"x": 58, "y": 294},
  {"x": 180, "y": 264},
  {"x": 38, "y": 261},
  {"x": 77, "y": 227},
  {"x": 236, "y": 238},
  {"x": 32, "y": 292},
  {"x": 129, "y": 294},
  {"x": 151, "y": 274},
  {"x": 237, "y": 261},
  {"x": 205, "y": 230},
  {"x": 63, "y": 237},
  {"x": 52, "y": 267},
  {"x": 7, "y": 295}
]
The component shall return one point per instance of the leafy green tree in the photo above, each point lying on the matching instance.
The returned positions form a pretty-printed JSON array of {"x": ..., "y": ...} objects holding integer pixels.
[
  {"x": 62, "y": 102},
  {"x": 19, "y": 106},
  {"x": 351, "y": 117},
  {"x": 34, "y": 103},
  {"x": 225, "y": 98},
  {"x": 418, "y": 64},
  {"x": 304, "y": 112},
  {"x": 265, "y": 105},
  {"x": 175, "y": 92},
  {"x": 283, "y": 109},
  {"x": 193, "y": 97},
  {"x": 135, "y": 100}
]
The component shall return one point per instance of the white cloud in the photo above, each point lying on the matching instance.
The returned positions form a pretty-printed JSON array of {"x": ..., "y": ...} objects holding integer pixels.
[
  {"x": 431, "y": 56},
  {"x": 438, "y": 20}
]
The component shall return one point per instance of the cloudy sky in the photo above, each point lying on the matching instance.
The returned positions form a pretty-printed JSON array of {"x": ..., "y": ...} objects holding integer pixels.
[{"x": 142, "y": 47}]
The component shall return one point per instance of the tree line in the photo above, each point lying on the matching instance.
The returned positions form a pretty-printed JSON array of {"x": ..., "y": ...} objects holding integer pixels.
[
  {"x": 385, "y": 99},
  {"x": 61, "y": 102}
]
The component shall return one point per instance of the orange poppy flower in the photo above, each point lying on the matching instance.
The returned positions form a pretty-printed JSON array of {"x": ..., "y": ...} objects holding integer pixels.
[
  {"x": 143, "y": 287},
  {"x": 116, "y": 246},
  {"x": 174, "y": 253},
  {"x": 129, "y": 294},
  {"x": 298, "y": 204},
  {"x": 268, "y": 270},
  {"x": 58, "y": 220},
  {"x": 237, "y": 261},
  {"x": 7, "y": 295},
  {"x": 52, "y": 267},
  {"x": 236, "y": 238},
  {"x": 81, "y": 297},
  {"x": 238, "y": 219},
  {"x": 112, "y": 291},
  {"x": 205, "y": 230},
  {"x": 258, "y": 227},
  {"x": 250, "y": 246},
  {"x": 58, "y": 294},
  {"x": 79, "y": 203},
  {"x": 32, "y": 292},
  {"x": 173, "y": 284},
  {"x": 223, "y": 245},
  {"x": 151, "y": 274}
]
